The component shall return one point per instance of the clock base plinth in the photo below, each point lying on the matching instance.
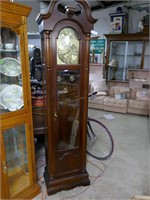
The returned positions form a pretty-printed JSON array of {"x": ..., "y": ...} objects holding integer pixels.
[{"x": 65, "y": 183}]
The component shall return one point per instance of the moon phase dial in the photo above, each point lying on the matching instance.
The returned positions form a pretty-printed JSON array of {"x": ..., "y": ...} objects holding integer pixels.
[{"x": 67, "y": 47}]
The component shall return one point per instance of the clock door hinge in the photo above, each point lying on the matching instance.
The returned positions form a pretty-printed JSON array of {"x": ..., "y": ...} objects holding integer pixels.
[
  {"x": 4, "y": 167},
  {"x": 23, "y": 36},
  {"x": 30, "y": 127},
  {"x": 28, "y": 102}
]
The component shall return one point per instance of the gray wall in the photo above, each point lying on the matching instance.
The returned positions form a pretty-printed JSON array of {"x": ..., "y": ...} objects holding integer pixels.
[
  {"x": 135, "y": 15},
  {"x": 35, "y": 5},
  {"x": 103, "y": 24}
]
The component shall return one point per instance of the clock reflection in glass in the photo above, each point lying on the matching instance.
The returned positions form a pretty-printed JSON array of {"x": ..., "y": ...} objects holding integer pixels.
[{"x": 67, "y": 47}]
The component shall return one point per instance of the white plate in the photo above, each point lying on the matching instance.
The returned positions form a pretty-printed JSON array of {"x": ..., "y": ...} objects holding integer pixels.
[
  {"x": 2, "y": 86},
  {"x": 10, "y": 66},
  {"x": 12, "y": 97}
]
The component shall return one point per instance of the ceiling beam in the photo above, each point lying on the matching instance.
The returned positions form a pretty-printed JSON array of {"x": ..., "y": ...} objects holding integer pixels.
[{"x": 101, "y": 4}]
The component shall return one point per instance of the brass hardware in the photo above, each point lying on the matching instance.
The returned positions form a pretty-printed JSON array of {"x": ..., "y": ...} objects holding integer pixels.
[
  {"x": 65, "y": 90},
  {"x": 55, "y": 114},
  {"x": 71, "y": 78},
  {"x": 59, "y": 78},
  {"x": 4, "y": 167}
]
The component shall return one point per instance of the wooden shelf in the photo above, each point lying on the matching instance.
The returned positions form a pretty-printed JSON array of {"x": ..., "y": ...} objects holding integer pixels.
[{"x": 118, "y": 83}]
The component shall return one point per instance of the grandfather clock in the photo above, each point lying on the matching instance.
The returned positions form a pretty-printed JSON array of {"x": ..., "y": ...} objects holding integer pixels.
[{"x": 65, "y": 35}]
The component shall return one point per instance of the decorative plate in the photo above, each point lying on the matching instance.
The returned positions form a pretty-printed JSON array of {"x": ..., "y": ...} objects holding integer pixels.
[
  {"x": 10, "y": 66},
  {"x": 12, "y": 97}
]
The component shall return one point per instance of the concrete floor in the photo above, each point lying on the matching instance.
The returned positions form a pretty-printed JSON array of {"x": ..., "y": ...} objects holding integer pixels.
[{"x": 125, "y": 174}]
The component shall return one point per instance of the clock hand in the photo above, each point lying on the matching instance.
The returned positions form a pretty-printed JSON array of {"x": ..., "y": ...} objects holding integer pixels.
[{"x": 71, "y": 48}]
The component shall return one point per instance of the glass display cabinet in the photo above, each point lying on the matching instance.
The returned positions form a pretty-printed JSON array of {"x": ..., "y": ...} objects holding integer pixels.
[
  {"x": 18, "y": 177},
  {"x": 130, "y": 51},
  {"x": 65, "y": 57}
]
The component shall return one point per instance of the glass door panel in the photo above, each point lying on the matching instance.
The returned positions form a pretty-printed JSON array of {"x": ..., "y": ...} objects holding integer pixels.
[
  {"x": 128, "y": 55},
  {"x": 68, "y": 98},
  {"x": 11, "y": 90},
  {"x": 117, "y": 52},
  {"x": 16, "y": 159},
  {"x": 134, "y": 54},
  {"x": 147, "y": 55}
]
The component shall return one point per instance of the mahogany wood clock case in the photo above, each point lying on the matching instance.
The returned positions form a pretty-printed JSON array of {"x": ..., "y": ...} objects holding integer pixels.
[{"x": 65, "y": 36}]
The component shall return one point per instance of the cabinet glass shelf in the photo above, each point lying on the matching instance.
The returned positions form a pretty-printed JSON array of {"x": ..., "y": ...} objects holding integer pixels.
[
  {"x": 8, "y": 51},
  {"x": 127, "y": 54}
]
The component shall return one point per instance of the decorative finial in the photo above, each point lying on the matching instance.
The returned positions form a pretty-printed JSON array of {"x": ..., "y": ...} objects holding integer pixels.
[
  {"x": 70, "y": 10},
  {"x": 140, "y": 25}
]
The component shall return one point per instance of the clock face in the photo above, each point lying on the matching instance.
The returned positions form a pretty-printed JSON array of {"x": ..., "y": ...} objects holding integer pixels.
[{"x": 67, "y": 47}]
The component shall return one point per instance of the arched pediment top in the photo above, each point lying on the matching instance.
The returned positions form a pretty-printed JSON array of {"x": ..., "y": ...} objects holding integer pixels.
[{"x": 58, "y": 10}]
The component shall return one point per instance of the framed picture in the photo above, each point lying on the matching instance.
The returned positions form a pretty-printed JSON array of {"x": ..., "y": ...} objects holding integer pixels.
[{"x": 118, "y": 23}]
